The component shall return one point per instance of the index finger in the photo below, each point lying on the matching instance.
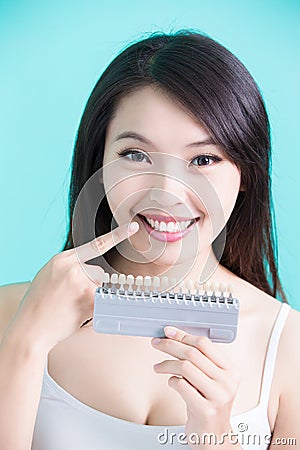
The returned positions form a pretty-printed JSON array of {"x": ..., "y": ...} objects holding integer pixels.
[
  {"x": 202, "y": 343},
  {"x": 102, "y": 244}
]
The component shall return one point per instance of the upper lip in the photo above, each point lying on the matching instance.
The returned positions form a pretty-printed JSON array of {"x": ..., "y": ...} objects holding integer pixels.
[{"x": 168, "y": 219}]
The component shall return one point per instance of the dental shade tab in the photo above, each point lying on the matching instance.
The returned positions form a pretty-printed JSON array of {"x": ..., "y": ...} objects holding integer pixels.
[{"x": 128, "y": 306}]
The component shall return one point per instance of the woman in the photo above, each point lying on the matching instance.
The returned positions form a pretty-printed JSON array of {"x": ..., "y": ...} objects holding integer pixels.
[{"x": 175, "y": 128}]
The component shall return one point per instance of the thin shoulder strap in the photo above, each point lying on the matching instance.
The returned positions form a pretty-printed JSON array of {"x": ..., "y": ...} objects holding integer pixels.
[{"x": 272, "y": 352}]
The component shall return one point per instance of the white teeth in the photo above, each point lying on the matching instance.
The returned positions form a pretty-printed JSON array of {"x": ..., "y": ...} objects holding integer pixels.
[
  {"x": 170, "y": 227},
  {"x": 162, "y": 226},
  {"x": 177, "y": 227}
]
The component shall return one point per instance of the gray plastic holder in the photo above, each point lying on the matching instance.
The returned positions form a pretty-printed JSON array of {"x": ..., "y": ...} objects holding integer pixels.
[{"x": 147, "y": 315}]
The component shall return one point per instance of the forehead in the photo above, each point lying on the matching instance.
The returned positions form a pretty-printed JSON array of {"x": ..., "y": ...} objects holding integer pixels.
[{"x": 151, "y": 112}]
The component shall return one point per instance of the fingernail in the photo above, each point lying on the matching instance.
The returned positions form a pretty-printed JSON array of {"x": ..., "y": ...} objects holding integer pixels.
[
  {"x": 156, "y": 341},
  {"x": 133, "y": 226},
  {"x": 170, "y": 331}
]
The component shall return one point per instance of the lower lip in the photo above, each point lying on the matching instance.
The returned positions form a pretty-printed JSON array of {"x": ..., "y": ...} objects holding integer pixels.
[{"x": 164, "y": 236}]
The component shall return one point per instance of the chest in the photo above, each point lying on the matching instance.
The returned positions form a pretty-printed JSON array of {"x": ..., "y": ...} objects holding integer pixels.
[{"x": 114, "y": 374}]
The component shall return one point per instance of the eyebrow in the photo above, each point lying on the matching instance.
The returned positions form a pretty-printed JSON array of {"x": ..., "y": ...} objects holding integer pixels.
[{"x": 144, "y": 140}]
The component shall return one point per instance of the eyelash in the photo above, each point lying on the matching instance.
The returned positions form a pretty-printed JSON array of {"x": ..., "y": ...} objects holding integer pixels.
[{"x": 128, "y": 151}]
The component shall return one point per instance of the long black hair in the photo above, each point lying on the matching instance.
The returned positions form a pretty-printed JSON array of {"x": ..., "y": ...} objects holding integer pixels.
[{"x": 216, "y": 88}]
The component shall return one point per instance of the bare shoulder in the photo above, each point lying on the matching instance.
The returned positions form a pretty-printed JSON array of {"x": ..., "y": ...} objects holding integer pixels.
[
  {"x": 263, "y": 309},
  {"x": 255, "y": 304},
  {"x": 289, "y": 345},
  {"x": 288, "y": 362},
  {"x": 10, "y": 297},
  {"x": 260, "y": 311}
]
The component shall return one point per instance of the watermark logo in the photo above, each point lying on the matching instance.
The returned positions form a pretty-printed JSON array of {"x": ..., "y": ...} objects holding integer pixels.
[{"x": 241, "y": 438}]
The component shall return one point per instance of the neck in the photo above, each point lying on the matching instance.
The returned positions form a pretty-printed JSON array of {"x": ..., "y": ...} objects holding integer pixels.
[{"x": 205, "y": 268}]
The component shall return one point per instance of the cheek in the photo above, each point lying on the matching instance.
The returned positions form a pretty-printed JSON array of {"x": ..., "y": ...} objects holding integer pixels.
[
  {"x": 227, "y": 191},
  {"x": 219, "y": 196},
  {"x": 122, "y": 195}
]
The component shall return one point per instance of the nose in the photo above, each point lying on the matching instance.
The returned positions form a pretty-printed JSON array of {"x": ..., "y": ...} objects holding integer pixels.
[{"x": 168, "y": 191}]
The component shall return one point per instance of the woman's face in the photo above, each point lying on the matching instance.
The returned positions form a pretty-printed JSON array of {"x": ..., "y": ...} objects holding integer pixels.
[{"x": 159, "y": 162}]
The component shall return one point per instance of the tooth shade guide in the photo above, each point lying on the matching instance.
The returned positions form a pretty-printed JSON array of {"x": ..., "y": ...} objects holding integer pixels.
[
  {"x": 140, "y": 315},
  {"x": 213, "y": 287},
  {"x": 139, "y": 282},
  {"x": 130, "y": 282},
  {"x": 199, "y": 288},
  {"x": 222, "y": 288},
  {"x": 163, "y": 288},
  {"x": 147, "y": 284},
  {"x": 181, "y": 287},
  {"x": 173, "y": 282},
  {"x": 122, "y": 282},
  {"x": 105, "y": 281},
  {"x": 207, "y": 288},
  {"x": 114, "y": 278},
  {"x": 229, "y": 291}
]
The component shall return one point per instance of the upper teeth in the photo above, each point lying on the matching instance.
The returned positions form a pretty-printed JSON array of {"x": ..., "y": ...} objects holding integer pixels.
[{"x": 171, "y": 227}]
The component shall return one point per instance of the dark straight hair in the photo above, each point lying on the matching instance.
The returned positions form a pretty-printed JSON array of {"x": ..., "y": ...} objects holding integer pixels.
[{"x": 218, "y": 91}]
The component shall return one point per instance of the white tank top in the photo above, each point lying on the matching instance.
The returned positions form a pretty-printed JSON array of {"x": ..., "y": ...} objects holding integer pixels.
[{"x": 64, "y": 423}]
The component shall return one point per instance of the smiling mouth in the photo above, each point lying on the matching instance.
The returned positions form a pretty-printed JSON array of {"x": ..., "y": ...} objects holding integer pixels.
[{"x": 170, "y": 226}]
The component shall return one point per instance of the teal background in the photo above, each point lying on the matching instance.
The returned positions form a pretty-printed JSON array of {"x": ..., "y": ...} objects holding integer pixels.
[{"x": 52, "y": 53}]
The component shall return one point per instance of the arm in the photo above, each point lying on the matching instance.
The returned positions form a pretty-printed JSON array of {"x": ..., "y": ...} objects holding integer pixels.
[
  {"x": 22, "y": 359},
  {"x": 21, "y": 374},
  {"x": 287, "y": 425},
  {"x": 41, "y": 322}
]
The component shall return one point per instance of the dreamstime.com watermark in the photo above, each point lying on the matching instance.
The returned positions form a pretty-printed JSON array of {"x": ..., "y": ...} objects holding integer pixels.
[{"x": 241, "y": 438}]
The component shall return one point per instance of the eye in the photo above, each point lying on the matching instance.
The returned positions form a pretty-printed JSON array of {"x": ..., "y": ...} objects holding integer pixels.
[
  {"x": 137, "y": 156},
  {"x": 204, "y": 160}
]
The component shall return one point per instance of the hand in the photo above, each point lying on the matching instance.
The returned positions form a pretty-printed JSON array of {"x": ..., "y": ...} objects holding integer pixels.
[
  {"x": 206, "y": 380},
  {"x": 61, "y": 296}
]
